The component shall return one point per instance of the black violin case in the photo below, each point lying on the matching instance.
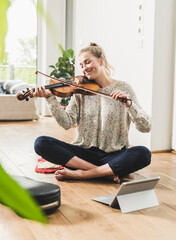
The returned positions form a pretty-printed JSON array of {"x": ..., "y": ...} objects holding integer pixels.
[{"x": 47, "y": 195}]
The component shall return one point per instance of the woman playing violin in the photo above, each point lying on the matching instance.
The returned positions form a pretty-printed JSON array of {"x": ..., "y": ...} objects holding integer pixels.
[{"x": 101, "y": 147}]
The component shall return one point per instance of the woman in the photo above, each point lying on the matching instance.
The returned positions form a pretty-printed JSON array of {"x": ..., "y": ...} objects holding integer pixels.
[{"x": 101, "y": 147}]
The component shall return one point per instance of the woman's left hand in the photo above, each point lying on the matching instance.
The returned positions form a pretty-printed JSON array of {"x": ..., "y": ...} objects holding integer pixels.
[{"x": 117, "y": 95}]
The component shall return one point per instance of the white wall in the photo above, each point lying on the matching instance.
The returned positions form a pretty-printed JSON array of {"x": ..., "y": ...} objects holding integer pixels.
[
  {"x": 143, "y": 60},
  {"x": 174, "y": 102},
  {"x": 114, "y": 24},
  {"x": 163, "y": 75},
  {"x": 174, "y": 121},
  {"x": 174, "y": 116}
]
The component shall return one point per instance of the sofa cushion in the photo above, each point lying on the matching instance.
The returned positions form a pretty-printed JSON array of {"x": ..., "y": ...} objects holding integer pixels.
[
  {"x": 1, "y": 87},
  {"x": 1, "y": 90},
  {"x": 15, "y": 86},
  {"x": 2, "y": 82}
]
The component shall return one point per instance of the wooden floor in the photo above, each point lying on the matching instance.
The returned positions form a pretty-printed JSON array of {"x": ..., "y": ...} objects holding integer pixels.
[{"x": 80, "y": 218}]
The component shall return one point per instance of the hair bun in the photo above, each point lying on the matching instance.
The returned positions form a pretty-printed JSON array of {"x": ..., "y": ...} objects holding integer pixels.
[{"x": 93, "y": 44}]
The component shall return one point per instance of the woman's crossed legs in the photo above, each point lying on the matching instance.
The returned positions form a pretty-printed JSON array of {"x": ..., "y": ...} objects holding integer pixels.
[{"x": 92, "y": 162}]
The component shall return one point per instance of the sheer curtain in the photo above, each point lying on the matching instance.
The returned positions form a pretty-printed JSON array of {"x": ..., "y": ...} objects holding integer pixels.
[{"x": 49, "y": 36}]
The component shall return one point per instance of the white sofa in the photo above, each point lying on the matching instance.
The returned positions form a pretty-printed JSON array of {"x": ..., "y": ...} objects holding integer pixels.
[{"x": 13, "y": 109}]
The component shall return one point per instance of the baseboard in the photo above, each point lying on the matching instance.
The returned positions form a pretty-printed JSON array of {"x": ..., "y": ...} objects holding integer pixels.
[
  {"x": 162, "y": 151},
  {"x": 173, "y": 151},
  {"x": 165, "y": 151}
]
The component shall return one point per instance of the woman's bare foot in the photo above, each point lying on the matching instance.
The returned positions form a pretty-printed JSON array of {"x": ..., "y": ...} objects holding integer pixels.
[
  {"x": 113, "y": 178},
  {"x": 77, "y": 174},
  {"x": 116, "y": 179},
  {"x": 68, "y": 174}
]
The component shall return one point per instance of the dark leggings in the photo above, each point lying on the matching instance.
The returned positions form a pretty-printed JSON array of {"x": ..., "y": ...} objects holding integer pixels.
[{"x": 121, "y": 162}]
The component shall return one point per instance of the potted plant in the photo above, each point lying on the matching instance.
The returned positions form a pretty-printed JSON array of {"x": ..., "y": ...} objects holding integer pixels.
[{"x": 64, "y": 68}]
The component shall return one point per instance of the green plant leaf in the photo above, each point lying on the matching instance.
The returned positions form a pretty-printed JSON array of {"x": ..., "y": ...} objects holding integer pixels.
[
  {"x": 65, "y": 56},
  {"x": 65, "y": 101},
  {"x": 70, "y": 53},
  {"x": 62, "y": 67},
  {"x": 61, "y": 49},
  {"x": 58, "y": 74},
  {"x": 66, "y": 75},
  {"x": 52, "y": 73},
  {"x": 4, "y": 5},
  {"x": 17, "y": 198},
  {"x": 71, "y": 61},
  {"x": 61, "y": 60},
  {"x": 68, "y": 68},
  {"x": 52, "y": 66}
]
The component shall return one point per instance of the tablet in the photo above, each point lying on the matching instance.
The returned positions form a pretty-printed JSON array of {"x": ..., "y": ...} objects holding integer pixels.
[{"x": 133, "y": 195}]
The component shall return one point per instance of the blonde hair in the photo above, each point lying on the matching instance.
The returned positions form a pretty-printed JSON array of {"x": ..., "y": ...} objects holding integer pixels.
[{"x": 97, "y": 51}]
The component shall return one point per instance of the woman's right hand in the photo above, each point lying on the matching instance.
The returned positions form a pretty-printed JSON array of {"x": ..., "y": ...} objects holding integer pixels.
[{"x": 41, "y": 92}]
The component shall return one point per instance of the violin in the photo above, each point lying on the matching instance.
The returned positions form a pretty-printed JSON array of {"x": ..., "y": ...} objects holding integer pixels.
[{"x": 62, "y": 88}]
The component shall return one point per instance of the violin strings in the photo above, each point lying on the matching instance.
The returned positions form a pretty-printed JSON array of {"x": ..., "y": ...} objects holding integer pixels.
[{"x": 71, "y": 84}]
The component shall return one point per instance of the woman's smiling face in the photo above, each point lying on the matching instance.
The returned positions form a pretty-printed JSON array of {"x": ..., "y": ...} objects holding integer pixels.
[{"x": 91, "y": 66}]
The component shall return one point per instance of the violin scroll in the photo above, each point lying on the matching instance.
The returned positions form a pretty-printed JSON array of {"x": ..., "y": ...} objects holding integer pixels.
[{"x": 24, "y": 95}]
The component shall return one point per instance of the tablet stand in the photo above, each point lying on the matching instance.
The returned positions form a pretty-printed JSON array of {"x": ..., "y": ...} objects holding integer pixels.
[{"x": 136, "y": 201}]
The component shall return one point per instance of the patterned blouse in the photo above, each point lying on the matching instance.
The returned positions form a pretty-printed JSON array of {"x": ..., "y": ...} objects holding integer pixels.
[{"x": 101, "y": 122}]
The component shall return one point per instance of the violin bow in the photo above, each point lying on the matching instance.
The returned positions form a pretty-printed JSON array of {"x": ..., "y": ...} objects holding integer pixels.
[{"x": 124, "y": 100}]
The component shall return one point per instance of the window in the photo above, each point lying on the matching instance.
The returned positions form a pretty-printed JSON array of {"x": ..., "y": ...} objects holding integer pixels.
[{"x": 20, "y": 56}]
